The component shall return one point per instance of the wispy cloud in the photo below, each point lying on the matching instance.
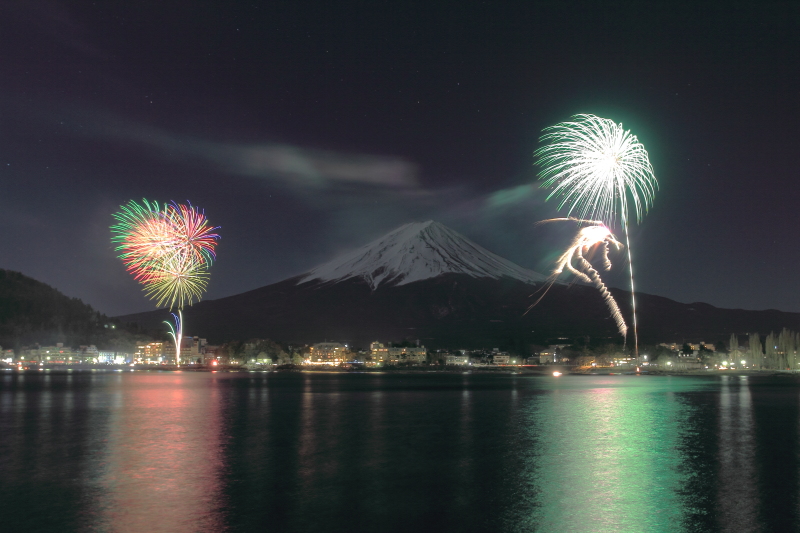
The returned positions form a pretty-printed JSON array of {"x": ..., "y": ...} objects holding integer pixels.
[
  {"x": 284, "y": 162},
  {"x": 359, "y": 195},
  {"x": 292, "y": 162},
  {"x": 504, "y": 198},
  {"x": 364, "y": 186}
]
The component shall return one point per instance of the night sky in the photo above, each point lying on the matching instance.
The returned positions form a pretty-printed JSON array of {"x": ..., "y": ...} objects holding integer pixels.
[{"x": 307, "y": 129}]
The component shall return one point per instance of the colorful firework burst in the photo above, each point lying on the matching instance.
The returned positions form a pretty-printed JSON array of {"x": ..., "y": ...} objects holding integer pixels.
[{"x": 168, "y": 249}]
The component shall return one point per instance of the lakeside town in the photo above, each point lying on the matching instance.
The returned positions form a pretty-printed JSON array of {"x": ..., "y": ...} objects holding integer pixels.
[{"x": 263, "y": 354}]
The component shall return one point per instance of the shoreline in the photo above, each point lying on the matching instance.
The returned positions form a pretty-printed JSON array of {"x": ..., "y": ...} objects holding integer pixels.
[{"x": 541, "y": 370}]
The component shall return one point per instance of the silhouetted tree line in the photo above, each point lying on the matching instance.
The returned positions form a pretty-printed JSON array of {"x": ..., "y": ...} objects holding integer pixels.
[
  {"x": 32, "y": 312},
  {"x": 778, "y": 352},
  {"x": 255, "y": 349}
]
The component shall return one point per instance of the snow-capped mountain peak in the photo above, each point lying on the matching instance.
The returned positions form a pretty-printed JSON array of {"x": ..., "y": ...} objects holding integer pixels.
[{"x": 417, "y": 251}]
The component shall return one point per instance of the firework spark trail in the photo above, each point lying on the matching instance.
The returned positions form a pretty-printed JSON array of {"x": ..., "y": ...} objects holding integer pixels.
[
  {"x": 594, "y": 167},
  {"x": 168, "y": 249},
  {"x": 602, "y": 237},
  {"x": 144, "y": 236},
  {"x": 196, "y": 238},
  {"x": 594, "y": 237}
]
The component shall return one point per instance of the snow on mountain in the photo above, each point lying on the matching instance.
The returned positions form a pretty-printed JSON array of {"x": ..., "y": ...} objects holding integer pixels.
[{"x": 417, "y": 251}]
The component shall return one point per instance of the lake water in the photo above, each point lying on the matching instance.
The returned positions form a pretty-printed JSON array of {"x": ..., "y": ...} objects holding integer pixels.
[{"x": 290, "y": 452}]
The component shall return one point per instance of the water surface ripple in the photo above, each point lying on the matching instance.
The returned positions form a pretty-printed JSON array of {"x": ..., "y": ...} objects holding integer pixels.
[{"x": 296, "y": 452}]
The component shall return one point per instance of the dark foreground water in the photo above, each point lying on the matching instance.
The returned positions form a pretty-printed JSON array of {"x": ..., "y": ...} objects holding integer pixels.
[{"x": 178, "y": 452}]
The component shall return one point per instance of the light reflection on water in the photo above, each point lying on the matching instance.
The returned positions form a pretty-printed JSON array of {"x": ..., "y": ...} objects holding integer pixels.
[
  {"x": 606, "y": 458},
  {"x": 398, "y": 452},
  {"x": 162, "y": 458},
  {"x": 737, "y": 477}
]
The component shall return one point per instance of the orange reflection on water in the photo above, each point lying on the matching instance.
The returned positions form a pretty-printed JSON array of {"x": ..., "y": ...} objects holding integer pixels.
[{"x": 164, "y": 457}]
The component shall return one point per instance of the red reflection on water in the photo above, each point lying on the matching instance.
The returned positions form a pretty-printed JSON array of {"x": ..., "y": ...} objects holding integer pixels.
[{"x": 164, "y": 456}]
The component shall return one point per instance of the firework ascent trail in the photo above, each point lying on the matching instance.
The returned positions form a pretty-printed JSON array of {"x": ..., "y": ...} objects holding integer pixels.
[{"x": 168, "y": 249}]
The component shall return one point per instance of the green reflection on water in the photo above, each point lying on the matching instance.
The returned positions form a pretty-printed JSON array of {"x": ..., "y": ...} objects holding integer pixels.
[{"x": 607, "y": 458}]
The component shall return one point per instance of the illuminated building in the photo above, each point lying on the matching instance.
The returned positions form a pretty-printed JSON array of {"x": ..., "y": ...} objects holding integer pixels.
[
  {"x": 457, "y": 360},
  {"x": 379, "y": 352},
  {"x": 57, "y": 354},
  {"x": 547, "y": 356},
  {"x": 88, "y": 354},
  {"x": 116, "y": 358},
  {"x": 213, "y": 353},
  {"x": 500, "y": 359},
  {"x": 193, "y": 349},
  {"x": 327, "y": 353},
  {"x": 394, "y": 355},
  {"x": 151, "y": 353},
  {"x": 411, "y": 354}
]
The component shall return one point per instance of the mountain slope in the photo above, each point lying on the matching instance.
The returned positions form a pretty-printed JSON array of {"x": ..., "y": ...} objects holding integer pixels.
[
  {"x": 456, "y": 311},
  {"x": 33, "y": 312},
  {"x": 418, "y": 251},
  {"x": 424, "y": 281},
  {"x": 450, "y": 310}
]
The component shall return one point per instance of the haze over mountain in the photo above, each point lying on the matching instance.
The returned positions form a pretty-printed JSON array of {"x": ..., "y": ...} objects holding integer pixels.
[{"x": 425, "y": 281}]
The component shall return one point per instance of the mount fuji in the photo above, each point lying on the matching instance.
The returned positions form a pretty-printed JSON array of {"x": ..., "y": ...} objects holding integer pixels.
[
  {"x": 418, "y": 251},
  {"x": 424, "y": 281}
]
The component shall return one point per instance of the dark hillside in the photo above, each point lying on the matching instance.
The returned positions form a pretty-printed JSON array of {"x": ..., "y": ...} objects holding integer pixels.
[
  {"x": 456, "y": 311},
  {"x": 33, "y": 312}
]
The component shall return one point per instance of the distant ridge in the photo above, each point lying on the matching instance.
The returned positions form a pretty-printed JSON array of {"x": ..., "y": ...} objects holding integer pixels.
[
  {"x": 418, "y": 251},
  {"x": 425, "y": 281}
]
